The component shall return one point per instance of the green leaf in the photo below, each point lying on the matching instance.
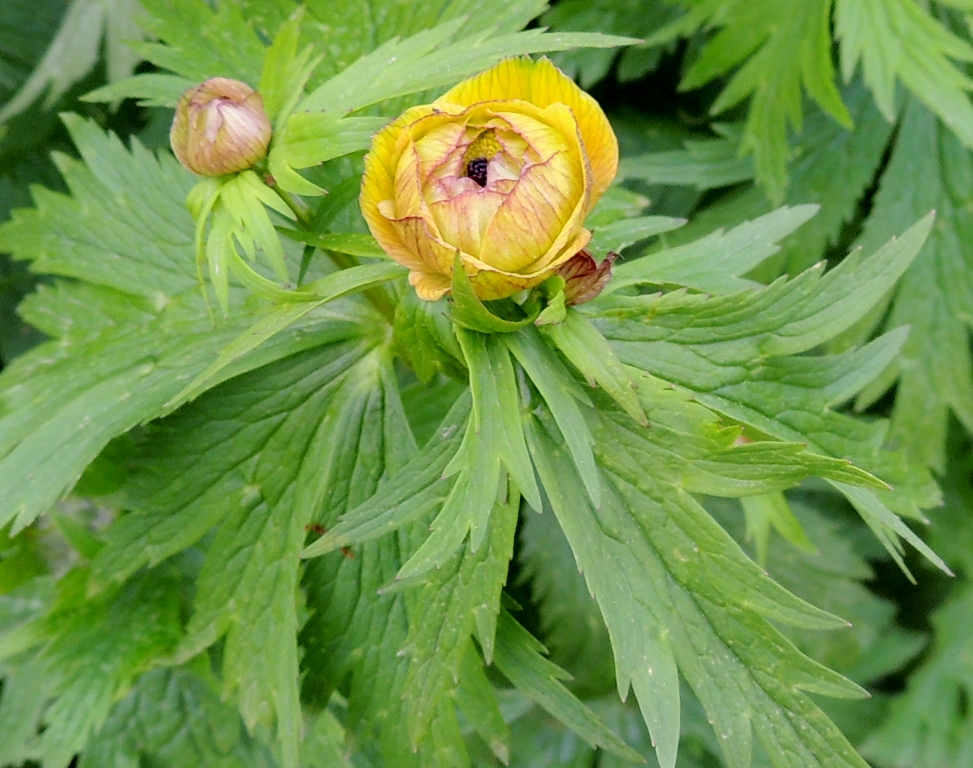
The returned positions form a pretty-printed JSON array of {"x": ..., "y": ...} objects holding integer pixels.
[
  {"x": 174, "y": 717},
  {"x": 717, "y": 262},
  {"x": 590, "y": 353},
  {"x": 934, "y": 372},
  {"x": 462, "y": 595},
  {"x": 901, "y": 40},
  {"x": 814, "y": 309},
  {"x": 782, "y": 50},
  {"x": 469, "y": 312},
  {"x": 518, "y": 656},
  {"x": 658, "y": 554},
  {"x": 477, "y": 698},
  {"x": 434, "y": 58},
  {"x": 831, "y": 167},
  {"x": 571, "y": 625},
  {"x": 418, "y": 488},
  {"x": 195, "y": 36},
  {"x": 927, "y": 725},
  {"x": 702, "y": 163},
  {"x": 354, "y": 633},
  {"x": 75, "y": 50},
  {"x": 618, "y": 235},
  {"x": 259, "y": 489},
  {"x": 559, "y": 390},
  {"x": 320, "y": 292}
]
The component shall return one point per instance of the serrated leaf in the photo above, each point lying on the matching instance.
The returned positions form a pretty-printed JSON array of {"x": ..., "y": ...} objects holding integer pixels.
[
  {"x": 461, "y": 596},
  {"x": 417, "y": 489},
  {"x": 477, "y": 698},
  {"x": 320, "y": 292},
  {"x": 591, "y": 354},
  {"x": 175, "y": 716},
  {"x": 656, "y": 609},
  {"x": 935, "y": 298},
  {"x": 93, "y": 651},
  {"x": 717, "y": 262},
  {"x": 561, "y": 393},
  {"x": 247, "y": 587},
  {"x": 518, "y": 656},
  {"x": 901, "y": 40},
  {"x": 434, "y": 58},
  {"x": 782, "y": 50}
]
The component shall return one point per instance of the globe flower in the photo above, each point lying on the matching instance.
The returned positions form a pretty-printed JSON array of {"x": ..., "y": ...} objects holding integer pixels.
[
  {"x": 220, "y": 127},
  {"x": 502, "y": 170}
]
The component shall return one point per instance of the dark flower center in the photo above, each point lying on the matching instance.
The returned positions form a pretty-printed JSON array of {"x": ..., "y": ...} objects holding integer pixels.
[{"x": 476, "y": 169}]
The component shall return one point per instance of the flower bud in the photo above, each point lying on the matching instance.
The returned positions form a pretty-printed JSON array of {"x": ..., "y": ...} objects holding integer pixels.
[
  {"x": 220, "y": 127},
  {"x": 584, "y": 278}
]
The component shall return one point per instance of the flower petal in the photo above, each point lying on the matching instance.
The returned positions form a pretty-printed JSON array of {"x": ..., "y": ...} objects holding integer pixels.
[
  {"x": 546, "y": 205},
  {"x": 541, "y": 83}
]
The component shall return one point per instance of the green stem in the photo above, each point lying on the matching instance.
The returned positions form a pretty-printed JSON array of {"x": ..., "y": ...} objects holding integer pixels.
[{"x": 376, "y": 296}]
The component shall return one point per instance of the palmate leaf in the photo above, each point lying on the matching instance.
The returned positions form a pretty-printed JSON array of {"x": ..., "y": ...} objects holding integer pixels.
[
  {"x": 258, "y": 482},
  {"x": 86, "y": 654},
  {"x": 831, "y": 167},
  {"x": 175, "y": 718},
  {"x": 642, "y": 553},
  {"x": 134, "y": 332},
  {"x": 929, "y": 168},
  {"x": 902, "y": 41},
  {"x": 809, "y": 309},
  {"x": 929, "y": 725},
  {"x": 782, "y": 50}
]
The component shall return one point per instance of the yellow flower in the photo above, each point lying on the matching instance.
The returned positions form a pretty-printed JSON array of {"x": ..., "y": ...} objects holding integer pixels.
[{"x": 502, "y": 169}]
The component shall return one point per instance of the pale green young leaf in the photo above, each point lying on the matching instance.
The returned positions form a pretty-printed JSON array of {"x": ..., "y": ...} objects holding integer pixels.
[
  {"x": 152, "y": 89},
  {"x": 496, "y": 403},
  {"x": 518, "y": 657}
]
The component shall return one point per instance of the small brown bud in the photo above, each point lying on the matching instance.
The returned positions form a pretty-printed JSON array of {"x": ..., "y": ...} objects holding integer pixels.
[
  {"x": 584, "y": 278},
  {"x": 220, "y": 127}
]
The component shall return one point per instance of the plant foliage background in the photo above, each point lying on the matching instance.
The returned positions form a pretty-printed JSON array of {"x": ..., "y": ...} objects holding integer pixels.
[{"x": 162, "y": 472}]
